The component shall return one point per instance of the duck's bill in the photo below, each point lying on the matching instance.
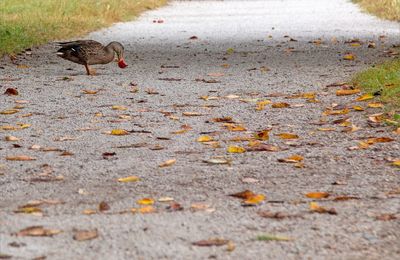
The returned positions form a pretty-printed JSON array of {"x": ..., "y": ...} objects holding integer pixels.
[{"x": 122, "y": 64}]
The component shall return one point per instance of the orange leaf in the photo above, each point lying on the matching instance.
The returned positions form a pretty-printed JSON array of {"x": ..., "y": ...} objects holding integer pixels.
[
  {"x": 288, "y": 136},
  {"x": 317, "y": 195},
  {"x": 345, "y": 92},
  {"x": 280, "y": 105},
  {"x": 145, "y": 201},
  {"x": 20, "y": 158}
]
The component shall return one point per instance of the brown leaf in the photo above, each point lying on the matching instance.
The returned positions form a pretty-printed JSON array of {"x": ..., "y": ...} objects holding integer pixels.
[
  {"x": 167, "y": 163},
  {"x": 11, "y": 92},
  {"x": 292, "y": 159},
  {"x": 211, "y": 242},
  {"x": 103, "y": 206},
  {"x": 20, "y": 158},
  {"x": 82, "y": 235},
  {"x": 344, "y": 198},
  {"x": 280, "y": 105},
  {"x": 263, "y": 148},
  {"x": 386, "y": 217},
  {"x": 288, "y": 136},
  {"x": 38, "y": 231},
  {"x": 226, "y": 119},
  {"x": 174, "y": 206},
  {"x": 314, "y": 207},
  {"x": 246, "y": 194}
]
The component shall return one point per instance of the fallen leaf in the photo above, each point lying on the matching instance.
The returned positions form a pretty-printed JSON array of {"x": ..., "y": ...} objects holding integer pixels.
[
  {"x": 268, "y": 237},
  {"x": 211, "y": 242},
  {"x": 28, "y": 210},
  {"x": 235, "y": 149},
  {"x": 375, "y": 105},
  {"x": 246, "y": 194},
  {"x": 145, "y": 201},
  {"x": 191, "y": 114},
  {"x": 261, "y": 104},
  {"x": 165, "y": 199},
  {"x": 103, "y": 206},
  {"x": 262, "y": 135},
  {"x": 292, "y": 159},
  {"x": 90, "y": 92},
  {"x": 9, "y": 111},
  {"x": 204, "y": 138},
  {"x": 174, "y": 206},
  {"x": 386, "y": 217},
  {"x": 226, "y": 119},
  {"x": 89, "y": 211},
  {"x": 147, "y": 210},
  {"x": 396, "y": 163},
  {"x": 11, "y": 92},
  {"x": 119, "y": 132},
  {"x": 364, "y": 97},
  {"x": 20, "y": 158},
  {"x": 250, "y": 180},
  {"x": 317, "y": 195},
  {"x": 349, "y": 56},
  {"x": 379, "y": 140},
  {"x": 218, "y": 160},
  {"x": 38, "y": 231},
  {"x": 129, "y": 179},
  {"x": 344, "y": 198},
  {"x": 11, "y": 138},
  {"x": 345, "y": 92},
  {"x": 314, "y": 207},
  {"x": 235, "y": 128},
  {"x": 82, "y": 235},
  {"x": 280, "y": 105},
  {"x": 167, "y": 163},
  {"x": 331, "y": 112},
  {"x": 119, "y": 108},
  {"x": 263, "y": 148},
  {"x": 288, "y": 136},
  {"x": 254, "y": 200}
]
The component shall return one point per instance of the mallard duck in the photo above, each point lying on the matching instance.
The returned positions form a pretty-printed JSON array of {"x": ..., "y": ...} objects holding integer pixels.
[{"x": 88, "y": 52}]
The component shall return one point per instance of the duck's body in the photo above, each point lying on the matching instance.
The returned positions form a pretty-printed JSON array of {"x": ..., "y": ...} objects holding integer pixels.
[{"x": 88, "y": 52}]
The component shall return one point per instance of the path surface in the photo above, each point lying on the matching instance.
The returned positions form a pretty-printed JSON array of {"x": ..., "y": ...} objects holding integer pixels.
[{"x": 242, "y": 46}]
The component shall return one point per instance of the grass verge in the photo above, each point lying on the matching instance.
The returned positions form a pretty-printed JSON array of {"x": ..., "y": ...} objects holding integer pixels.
[
  {"x": 384, "y": 78},
  {"x": 28, "y": 23},
  {"x": 386, "y": 9}
]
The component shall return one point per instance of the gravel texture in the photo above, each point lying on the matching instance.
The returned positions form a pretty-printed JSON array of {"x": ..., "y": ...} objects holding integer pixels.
[{"x": 243, "y": 45}]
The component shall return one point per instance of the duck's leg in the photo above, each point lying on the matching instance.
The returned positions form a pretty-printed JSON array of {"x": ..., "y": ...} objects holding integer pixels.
[{"x": 89, "y": 71}]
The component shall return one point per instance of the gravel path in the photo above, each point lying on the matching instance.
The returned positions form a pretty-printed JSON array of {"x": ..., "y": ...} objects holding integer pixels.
[{"x": 244, "y": 52}]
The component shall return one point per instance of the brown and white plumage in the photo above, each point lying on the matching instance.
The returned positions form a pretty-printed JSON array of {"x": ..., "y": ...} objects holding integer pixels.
[{"x": 89, "y": 52}]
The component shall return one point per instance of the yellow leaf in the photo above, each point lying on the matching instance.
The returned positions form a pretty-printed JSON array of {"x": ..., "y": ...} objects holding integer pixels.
[
  {"x": 345, "y": 92},
  {"x": 23, "y": 126},
  {"x": 167, "y": 163},
  {"x": 119, "y": 108},
  {"x": 119, "y": 132},
  {"x": 8, "y": 127},
  {"x": 235, "y": 128},
  {"x": 375, "y": 105},
  {"x": 89, "y": 212},
  {"x": 358, "y": 108},
  {"x": 129, "y": 179},
  {"x": 204, "y": 138},
  {"x": 261, "y": 104},
  {"x": 317, "y": 195},
  {"x": 147, "y": 209},
  {"x": 254, "y": 200},
  {"x": 9, "y": 111},
  {"x": 28, "y": 210},
  {"x": 241, "y": 139},
  {"x": 182, "y": 131},
  {"x": 367, "y": 96},
  {"x": 292, "y": 159},
  {"x": 280, "y": 105},
  {"x": 396, "y": 163},
  {"x": 379, "y": 140},
  {"x": 235, "y": 149},
  {"x": 325, "y": 129},
  {"x": 145, "y": 201},
  {"x": 262, "y": 135},
  {"x": 90, "y": 92},
  {"x": 20, "y": 158},
  {"x": 349, "y": 56},
  {"x": 288, "y": 136},
  {"x": 230, "y": 51}
]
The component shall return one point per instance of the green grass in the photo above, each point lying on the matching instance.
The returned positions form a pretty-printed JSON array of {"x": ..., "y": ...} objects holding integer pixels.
[
  {"x": 383, "y": 77},
  {"x": 386, "y": 9},
  {"x": 28, "y": 23}
]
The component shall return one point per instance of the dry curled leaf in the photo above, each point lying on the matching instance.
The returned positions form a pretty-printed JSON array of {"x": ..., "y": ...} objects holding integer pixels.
[
  {"x": 20, "y": 158},
  {"x": 167, "y": 163},
  {"x": 261, "y": 104},
  {"x": 11, "y": 92},
  {"x": 129, "y": 179},
  {"x": 262, "y": 135},
  {"x": 103, "y": 206},
  {"x": 280, "y": 105},
  {"x": 292, "y": 159},
  {"x": 345, "y": 92},
  {"x": 314, "y": 207},
  {"x": 82, "y": 235},
  {"x": 119, "y": 132},
  {"x": 254, "y": 200},
  {"x": 263, "y": 148},
  {"x": 211, "y": 242},
  {"x": 38, "y": 231},
  {"x": 246, "y": 194},
  {"x": 205, "y": 138},
  {"x": 89, "y": 92},
  {"x": 288, "y": 136},
  {"x": 364, "y": 97},
  {"x": 349, "y": 56}
]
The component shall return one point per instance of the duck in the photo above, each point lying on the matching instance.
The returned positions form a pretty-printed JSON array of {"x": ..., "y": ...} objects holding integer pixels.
[{"x": 89, "y": 52}]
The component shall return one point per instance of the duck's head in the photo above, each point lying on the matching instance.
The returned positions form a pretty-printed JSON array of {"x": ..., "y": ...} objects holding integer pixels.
[{"x": 118, "y": 49}]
